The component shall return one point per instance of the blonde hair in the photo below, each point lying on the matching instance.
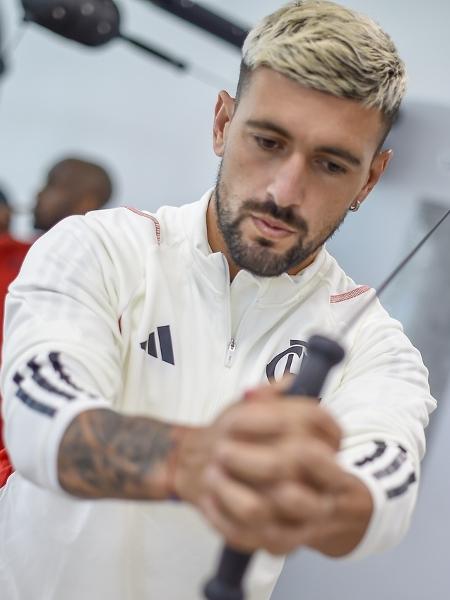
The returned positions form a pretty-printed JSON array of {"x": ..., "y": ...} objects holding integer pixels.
[{"x": 328, "y": 48}]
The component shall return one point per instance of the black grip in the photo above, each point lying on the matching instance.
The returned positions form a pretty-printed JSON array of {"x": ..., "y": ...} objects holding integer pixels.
[
  {"x": 322, "y": 354},
  {"x": 227, "y": 582}
]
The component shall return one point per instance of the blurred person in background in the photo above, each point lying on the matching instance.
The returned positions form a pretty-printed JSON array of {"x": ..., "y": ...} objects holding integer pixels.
[{"x": 73, "y": 187}]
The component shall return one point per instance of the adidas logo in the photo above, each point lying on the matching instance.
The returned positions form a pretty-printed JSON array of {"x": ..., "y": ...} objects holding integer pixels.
[{"x": 162, "y": 335}]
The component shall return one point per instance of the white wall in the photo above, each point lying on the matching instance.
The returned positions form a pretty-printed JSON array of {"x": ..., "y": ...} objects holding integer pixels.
[{"x": 153, "y": 128}]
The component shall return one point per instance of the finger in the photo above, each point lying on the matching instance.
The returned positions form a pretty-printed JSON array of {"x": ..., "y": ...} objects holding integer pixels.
[
  {"x": 235, "y": 535},
  {"x": 318, "y": 466},
  {"x": 255, "y": 420},
  {"x": 323, "y": 421},
  {"x": 319, "y": 420},
  {"x": 298, "y": 504},
  {"x": 254, "y": 464},
  {"x": 329, "y": 536},
  {"x": 259, "y": 464},
  {"x": 239, "y": 503},
  {"x": 267, "y": 420}
]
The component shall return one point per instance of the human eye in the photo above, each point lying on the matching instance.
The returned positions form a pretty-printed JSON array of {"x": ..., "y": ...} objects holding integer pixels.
[
  {"x": 266, "y": 143},
  {"x": 332, "y": 167}
]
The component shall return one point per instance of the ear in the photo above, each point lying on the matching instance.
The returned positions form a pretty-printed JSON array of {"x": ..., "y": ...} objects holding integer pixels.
[
  {"x": 377, "y": 168},
  {"x": 223, "y": 114}
]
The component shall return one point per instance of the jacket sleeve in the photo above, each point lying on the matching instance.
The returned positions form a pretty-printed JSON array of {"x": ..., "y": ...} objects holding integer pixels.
[
  {"x": 62, "y": 349},
  {"x": 383, "y": 402}
]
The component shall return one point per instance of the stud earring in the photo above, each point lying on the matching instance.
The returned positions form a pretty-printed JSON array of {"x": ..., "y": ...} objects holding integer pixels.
[{"x": 355, "y": 206}]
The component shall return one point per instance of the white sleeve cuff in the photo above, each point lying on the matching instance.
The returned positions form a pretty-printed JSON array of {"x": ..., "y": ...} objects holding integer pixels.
[
  {"x": 390, "y": 476},
  {"x": 42, "y": 400}
]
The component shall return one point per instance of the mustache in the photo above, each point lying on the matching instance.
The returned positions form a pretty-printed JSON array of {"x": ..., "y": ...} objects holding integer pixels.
[{"x": 284, "y": 214}]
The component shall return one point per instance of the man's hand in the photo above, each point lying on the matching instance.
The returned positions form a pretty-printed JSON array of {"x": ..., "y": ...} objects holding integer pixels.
[{"x": 265, "y": 476}]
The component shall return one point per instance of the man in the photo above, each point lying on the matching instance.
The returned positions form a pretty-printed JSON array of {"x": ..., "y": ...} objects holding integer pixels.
[
  {"x": 140, "y": 348},
  {"x": 74, "y": 187}
]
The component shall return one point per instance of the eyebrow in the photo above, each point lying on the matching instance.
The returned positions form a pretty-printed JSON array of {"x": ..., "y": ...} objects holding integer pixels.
[
  {"x": 333, "y": 150},
  {"x": 270, "y": 126}
]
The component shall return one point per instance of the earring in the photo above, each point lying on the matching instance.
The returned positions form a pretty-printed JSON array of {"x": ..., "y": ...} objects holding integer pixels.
[{"x": 354, "y": 207}]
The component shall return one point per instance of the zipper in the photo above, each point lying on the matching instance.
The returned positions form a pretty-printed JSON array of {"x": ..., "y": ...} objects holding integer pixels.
[{"x": 230, "y": 352}]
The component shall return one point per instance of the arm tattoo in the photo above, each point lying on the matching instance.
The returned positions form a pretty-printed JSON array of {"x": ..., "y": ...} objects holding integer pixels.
[{"x": 104, "y": 454}]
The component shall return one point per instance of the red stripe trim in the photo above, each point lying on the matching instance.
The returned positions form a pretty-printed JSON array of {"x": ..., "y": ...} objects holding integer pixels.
[
  {"x": 349, "y": 295},
  {"x": 151, "y": 217}
]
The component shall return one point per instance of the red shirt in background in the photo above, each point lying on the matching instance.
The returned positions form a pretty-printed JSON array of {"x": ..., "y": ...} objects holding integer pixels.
[{"x": 12, "y": 253}]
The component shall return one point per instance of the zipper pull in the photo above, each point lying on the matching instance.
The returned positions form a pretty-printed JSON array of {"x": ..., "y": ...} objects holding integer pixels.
[{"x": 230, "y": 352}]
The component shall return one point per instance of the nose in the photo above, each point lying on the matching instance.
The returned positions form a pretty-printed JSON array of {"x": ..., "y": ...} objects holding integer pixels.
[{"x": 289, "y": 181}]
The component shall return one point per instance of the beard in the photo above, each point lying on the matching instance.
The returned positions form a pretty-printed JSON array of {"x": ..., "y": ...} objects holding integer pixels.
[{"x": 258, "y": 256}]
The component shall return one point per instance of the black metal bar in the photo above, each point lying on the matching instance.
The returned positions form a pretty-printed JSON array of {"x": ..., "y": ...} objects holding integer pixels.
[
  {"x": 175, "y": 62},
  {"x": 205, "y": 19}
]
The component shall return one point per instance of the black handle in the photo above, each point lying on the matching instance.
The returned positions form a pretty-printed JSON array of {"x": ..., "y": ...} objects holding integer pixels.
[{"x": 322, "y": 355}]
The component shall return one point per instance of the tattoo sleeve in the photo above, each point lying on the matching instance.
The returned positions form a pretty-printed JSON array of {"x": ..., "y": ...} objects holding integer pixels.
[{"x": 104, "y": 454}]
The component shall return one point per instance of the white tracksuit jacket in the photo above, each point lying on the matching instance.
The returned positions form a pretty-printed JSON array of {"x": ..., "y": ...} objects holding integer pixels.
[{"x": 133, "y": 311}]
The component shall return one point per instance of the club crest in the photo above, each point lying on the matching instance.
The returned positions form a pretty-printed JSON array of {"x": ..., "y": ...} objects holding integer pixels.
[{"x": 288, "y": 361}]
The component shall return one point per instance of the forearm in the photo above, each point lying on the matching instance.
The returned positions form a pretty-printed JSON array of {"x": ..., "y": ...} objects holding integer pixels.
[
  {"x": 104, "y": 454},
  {"x": 78, "y": 443}
]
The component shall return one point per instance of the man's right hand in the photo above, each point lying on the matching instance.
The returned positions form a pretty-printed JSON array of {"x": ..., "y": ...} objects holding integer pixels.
[{"x": 261, "y": 472}]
